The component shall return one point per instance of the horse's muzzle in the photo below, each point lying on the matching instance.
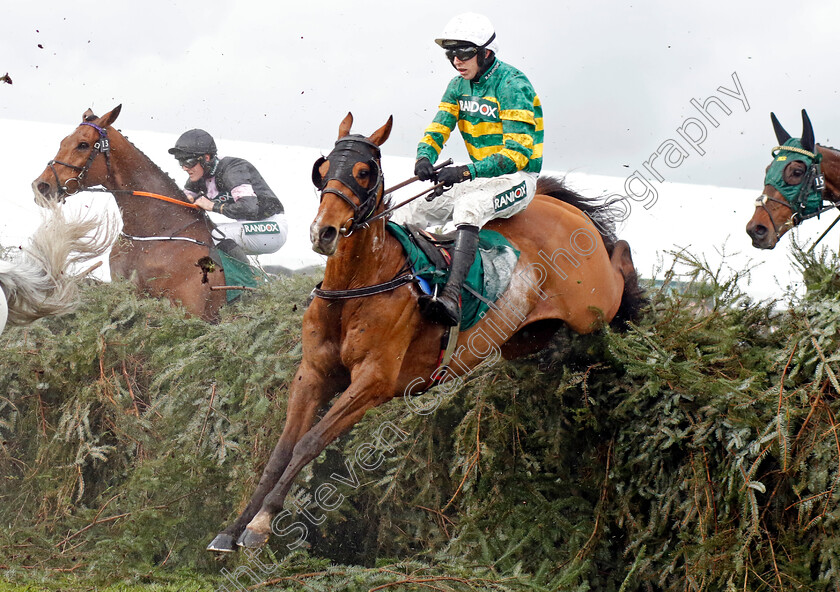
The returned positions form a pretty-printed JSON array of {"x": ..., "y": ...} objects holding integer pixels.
[
  {"x": 762, "y": 237},
  {"x": 45, "y": 193},
  {"x": 324, "y": 239}
]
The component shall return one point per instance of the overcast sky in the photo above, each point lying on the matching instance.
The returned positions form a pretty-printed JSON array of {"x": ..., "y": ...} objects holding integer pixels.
[
  {"x": 616, "y": 78},
  {"x": 619, "y": 82}
]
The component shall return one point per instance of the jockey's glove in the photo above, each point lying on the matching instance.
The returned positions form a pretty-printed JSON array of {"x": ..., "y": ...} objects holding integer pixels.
[
  {"x": 424, "y": 170},
  {"x": 454, "y": 174}
]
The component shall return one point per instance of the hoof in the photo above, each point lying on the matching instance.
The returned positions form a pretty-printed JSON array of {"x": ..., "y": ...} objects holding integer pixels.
[
  {"x": 223, "y": 543},
  {"x": 251, "y": 539}
]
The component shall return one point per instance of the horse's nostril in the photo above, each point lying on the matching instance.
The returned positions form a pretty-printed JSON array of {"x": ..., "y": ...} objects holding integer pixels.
[
  {"x": 43, "y": 188},
  {"x": 759, "y": 231},
  {"x": 328, "y": 234}
]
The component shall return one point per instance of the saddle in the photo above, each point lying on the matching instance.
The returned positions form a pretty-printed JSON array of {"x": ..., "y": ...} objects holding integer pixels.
[
  {"x": 429, "y": 258},
  {"x": 434, "y": 246}
]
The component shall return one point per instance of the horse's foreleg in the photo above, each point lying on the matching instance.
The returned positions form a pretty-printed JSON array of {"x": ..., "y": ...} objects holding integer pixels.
[
  {"x": 309, "y": 392},
  {"x": 364, "y": 393}
]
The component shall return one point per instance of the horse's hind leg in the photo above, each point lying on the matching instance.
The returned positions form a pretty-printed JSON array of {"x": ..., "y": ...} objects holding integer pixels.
[{"x": 308, "y": 394}]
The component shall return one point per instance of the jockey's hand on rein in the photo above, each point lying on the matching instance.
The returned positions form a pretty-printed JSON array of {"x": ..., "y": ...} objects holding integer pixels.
[
  {"x": 437, "y": 191},
  {"x": 447, "y": 177},
  {"x": 453, "y": 174},
  {"x": 424, "y": 170}
]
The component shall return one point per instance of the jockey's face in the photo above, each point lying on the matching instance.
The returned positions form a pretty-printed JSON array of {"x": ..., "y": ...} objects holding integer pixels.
[
  {"x": 196, "y": 171},
  {"x": 467, "y": 69}
]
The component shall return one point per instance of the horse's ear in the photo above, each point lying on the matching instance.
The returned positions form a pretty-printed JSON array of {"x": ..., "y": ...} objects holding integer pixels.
[
  {"x": 781, "y": 135},
  {"x": 379, "y": 136},
  {"x": 88, "y": 115},
  {"x": 317, "y": 177},
  {"x": 807, "y": 133},
  {"x": 111, "y": 116},
  {"x": 345, "y": 126}
]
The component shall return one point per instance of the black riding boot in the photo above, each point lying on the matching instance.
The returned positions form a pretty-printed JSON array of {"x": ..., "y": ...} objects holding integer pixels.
[
  {"x": 230, "y": 248},
  {"x": 446, "y": 308}
]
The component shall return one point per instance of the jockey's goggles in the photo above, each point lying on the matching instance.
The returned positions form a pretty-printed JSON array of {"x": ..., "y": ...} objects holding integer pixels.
[
  {"x": 463, "y": 53},
  {"x": 188, "y": 161}
]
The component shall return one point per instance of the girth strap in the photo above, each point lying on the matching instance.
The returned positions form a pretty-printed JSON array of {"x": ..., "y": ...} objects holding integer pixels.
[
  {"x": 366, "y": 291},
  {"x": 163, "y": 238}
]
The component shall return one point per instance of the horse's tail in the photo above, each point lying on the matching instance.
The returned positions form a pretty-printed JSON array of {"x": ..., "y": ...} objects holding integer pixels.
[{"x": 40, "y": 282}]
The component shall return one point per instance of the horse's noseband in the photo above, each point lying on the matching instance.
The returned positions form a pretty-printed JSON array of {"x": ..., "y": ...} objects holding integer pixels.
[
  {"x": 349, "y": 151},
  {"x": 761, "y": 202},
  {"x": 102, "y": 146}
]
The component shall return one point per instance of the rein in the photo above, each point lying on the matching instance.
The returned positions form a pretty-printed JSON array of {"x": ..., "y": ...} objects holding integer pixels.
[
  {"x": 154, "y": 196},
  {"x": 432, "y": 190},
  {"x": 178, "y": 202},
  {"x": 161, "y": 198},
  {"x": 172, "y": 200}
]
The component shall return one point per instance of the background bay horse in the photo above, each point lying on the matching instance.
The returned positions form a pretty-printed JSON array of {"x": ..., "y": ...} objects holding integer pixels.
[
  {"x": 802, "y": 176},
  {"x": 374, "y": 347},
  {"x": 164, "y": 248},
  {"x": 40, "y": 281}
]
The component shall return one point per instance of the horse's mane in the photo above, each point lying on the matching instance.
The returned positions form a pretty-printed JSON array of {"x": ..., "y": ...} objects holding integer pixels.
[
  {"x": 600, "y": 211},
  {"x": 39, "y": 281},
  {"x": 143, "y": 154},
  {"x": 180, "y": 192},
  {"x": 604, "y": 215}
]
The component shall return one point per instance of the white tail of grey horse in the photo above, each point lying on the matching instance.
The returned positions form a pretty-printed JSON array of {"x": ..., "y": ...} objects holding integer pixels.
[{"x": 40, "y": 279}]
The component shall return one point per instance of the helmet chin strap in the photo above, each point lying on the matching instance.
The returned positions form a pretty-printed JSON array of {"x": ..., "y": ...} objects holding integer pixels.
[
  {"x": 484, "y": 62},
  {"x": 482, "y": 56},
  {"x": 210, "y": 166}
]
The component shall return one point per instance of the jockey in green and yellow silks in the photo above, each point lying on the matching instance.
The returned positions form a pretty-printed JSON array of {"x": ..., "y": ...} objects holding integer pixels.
[{"x": 499, "y": 115}]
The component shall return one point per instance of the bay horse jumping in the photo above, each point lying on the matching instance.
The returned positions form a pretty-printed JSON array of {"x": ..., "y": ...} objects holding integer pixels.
[
  {"x": 801, "y": 179},
  {"x": 165, "y": 243},
  {"x": 363, "y": 335},
  {"x": 40, "y": 281}
]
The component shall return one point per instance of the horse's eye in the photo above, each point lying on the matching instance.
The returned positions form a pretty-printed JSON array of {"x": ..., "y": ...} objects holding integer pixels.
[
  {"x": 364, "y": 174},
  {"x": 83, "y": 146}
]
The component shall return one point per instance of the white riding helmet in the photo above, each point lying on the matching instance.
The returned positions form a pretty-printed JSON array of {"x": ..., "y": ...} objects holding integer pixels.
[{"x": 472, "y": 28}]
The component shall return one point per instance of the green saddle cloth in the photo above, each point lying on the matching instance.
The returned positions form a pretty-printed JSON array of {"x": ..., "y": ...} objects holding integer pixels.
[
  {"x": 489, "y": 275},
  {"x": 238, "y": 273}
]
